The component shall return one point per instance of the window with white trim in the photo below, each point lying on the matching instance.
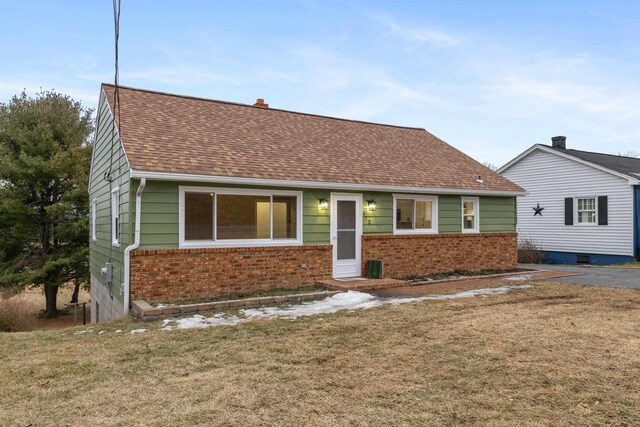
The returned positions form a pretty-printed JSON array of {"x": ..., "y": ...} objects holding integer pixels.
[
  {"x": 230, "y": 217},
  {"x": 115, "y": 216},
  {"x": 586, "y": 209},
  {"x": 470, "y": 217},
  {"x": 415, "y": 214},
  {"x": 94, "y": 210}
]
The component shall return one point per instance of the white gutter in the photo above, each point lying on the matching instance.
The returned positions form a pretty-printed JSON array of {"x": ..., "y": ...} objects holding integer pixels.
[
  {"x": 136, "y": 243},
  {"x": 171, "y": 176}
]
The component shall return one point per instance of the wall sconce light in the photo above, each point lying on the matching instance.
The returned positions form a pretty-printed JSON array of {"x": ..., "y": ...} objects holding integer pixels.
[
  {"x": 323, "y": 204},
  {"x": 372, "y": 204}
]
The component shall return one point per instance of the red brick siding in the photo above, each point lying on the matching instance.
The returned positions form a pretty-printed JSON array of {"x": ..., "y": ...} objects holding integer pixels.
[
  {"x": 413, "y": 255},
  {"x": 165, "y": 274}
]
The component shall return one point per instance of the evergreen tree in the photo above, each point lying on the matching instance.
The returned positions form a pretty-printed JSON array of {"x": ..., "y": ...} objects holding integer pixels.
[{"x": 45, "y": 155}]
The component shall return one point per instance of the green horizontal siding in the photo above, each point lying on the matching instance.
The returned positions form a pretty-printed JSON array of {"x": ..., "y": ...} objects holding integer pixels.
[
  {"x": 108, "y": 152},
  {"x": 315, "y": 222},
  {"x": 449, "y": 214},
  {"x": 497, "y": 214},
  {"x": 160, "y": 214},
  {"x": 379, "y": 221}
]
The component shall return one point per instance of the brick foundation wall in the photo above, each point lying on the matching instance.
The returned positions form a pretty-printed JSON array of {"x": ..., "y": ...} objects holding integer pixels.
[
  {"x": 167, "y": 274},
  {"x": 415, "y": 255}
]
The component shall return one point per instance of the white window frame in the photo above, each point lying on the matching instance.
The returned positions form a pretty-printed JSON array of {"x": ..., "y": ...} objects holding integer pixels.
[
  {"x": 417, "y": 197},
  {"x": 576, "y": 212},
  {"x": 232, "y": 243},
  {"x": 94, "y": 211},
  {"x": 476, "y": 214},
  {"x": 115, "y": 215}
]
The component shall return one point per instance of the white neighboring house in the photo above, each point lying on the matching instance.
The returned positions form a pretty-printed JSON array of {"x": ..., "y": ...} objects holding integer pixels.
[{"x": 581, "y": 207}]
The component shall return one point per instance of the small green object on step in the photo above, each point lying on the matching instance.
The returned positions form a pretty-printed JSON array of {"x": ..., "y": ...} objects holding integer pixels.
[{"x": 374, "y": 269}]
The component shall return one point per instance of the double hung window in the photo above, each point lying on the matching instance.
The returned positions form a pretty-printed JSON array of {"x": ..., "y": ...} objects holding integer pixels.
[
  {"x": 470, "y": 220},
  {"x": 586, "y": 210}
]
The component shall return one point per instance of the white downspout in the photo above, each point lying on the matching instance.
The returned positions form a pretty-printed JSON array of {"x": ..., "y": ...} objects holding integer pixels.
[{"x": 136, "y": 243}]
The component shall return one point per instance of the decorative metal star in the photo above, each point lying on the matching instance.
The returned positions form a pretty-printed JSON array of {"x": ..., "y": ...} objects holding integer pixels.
[{"x": 538, "y": 210}]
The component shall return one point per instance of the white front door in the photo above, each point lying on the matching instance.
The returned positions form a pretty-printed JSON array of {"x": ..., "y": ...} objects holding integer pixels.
[{"x": 346, "y": 234}]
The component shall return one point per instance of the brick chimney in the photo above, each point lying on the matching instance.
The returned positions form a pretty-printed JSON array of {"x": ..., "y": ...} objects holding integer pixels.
[
  {"x": 260, "y": 103},
  {"x": 559, "y": 142}
]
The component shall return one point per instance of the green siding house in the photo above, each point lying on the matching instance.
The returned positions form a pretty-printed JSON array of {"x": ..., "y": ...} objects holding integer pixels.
[{"x": 194, "y": 198}]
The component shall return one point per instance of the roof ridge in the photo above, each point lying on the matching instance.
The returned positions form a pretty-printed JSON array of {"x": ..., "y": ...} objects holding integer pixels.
[
  {"x": 595, "y": 152},
  {"x": 239, "y": 104}
]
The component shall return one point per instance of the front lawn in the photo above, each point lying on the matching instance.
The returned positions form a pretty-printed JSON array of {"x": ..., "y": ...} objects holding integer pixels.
[{"x": 553, "y": 354}]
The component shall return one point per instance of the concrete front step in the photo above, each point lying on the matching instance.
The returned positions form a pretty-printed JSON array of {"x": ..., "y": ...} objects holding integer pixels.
[{"x": 361, "y": 284}]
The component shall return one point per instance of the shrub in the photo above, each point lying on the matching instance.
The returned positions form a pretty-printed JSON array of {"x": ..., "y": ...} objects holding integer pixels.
[
  {"x": 529, "y": 251},
  {"x": 17, "y": 313}
]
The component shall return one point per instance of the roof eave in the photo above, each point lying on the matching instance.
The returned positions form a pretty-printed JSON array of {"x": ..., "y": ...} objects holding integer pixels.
[{"x": 173, "y": 176}]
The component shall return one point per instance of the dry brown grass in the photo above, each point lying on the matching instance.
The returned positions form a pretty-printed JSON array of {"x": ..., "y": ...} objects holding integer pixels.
[
  {"x": 18, "y": 313},
  {"x": 550, "y": 355},
  {"x": 35, "y": 300},
  {"x": 626, "y": 265}
]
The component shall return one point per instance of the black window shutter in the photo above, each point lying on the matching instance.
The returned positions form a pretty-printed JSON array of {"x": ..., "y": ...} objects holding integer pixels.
[
  {"x": 568, "y": 211},
  {"x": 603, "y": 210}
]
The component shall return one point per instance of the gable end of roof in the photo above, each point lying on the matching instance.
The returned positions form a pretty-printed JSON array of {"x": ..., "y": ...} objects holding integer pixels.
[{"x": 568, "y": 155}]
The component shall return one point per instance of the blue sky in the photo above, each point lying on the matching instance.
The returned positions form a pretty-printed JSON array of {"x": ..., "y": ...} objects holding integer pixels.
[{"x": 489, "y": 77}]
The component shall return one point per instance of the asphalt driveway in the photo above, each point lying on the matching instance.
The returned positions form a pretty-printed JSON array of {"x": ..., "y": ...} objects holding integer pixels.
[{"x": 601, "y": 276}]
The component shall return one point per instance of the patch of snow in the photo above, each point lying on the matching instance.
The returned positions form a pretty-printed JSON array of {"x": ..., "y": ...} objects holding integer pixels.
[
  {"x": 160, "y": 306},
  {"x": 350, "y": 300},
  {"x": 198, "y": 321},
  {"x": 465, "y": 294},
  {"x": 519, "y": 278},
  {"x": 79, "y": 332},
  {"x": 119, "y": 331},
  {"x": 138, "y": 331},
  {"x": 101, "y": 332}
]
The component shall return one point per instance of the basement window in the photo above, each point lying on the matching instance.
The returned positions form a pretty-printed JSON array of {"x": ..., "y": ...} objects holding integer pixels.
[
  {"x": 211, "y": 217},
  {"x": 415, "y": 214}
]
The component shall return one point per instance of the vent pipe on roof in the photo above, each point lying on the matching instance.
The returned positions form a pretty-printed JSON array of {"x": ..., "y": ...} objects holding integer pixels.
[
  {"x": 559, "y": 142},
  {"x": 260, "y": 103}
]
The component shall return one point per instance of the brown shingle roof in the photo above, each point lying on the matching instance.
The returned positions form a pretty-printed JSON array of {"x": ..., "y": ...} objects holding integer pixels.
[{"x": 171, "y": 133}]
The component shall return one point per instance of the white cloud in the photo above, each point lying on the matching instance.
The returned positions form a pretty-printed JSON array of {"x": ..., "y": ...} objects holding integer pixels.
[
  {"x": 356, "y": 89},
  {"x": 428, "y": 36}
]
